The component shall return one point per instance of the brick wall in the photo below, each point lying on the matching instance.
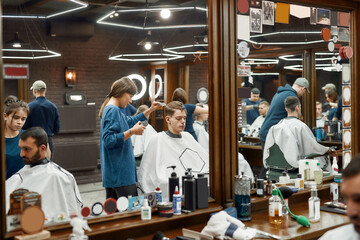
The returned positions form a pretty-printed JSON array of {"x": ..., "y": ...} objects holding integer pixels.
[{"x": 198, "y": 78}]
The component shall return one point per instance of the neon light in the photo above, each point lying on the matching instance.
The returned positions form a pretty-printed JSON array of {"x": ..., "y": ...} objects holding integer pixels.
[
  {"x": 102, "y": 20},
  {"x": 171, "y": 49},
  {"x": 152, "y": 57},
  {"x": 83, "y": 5},
  {"x": 285, "y": 33},
  {"x": 52, "y": 53},
  {"x": 143, "y": 85},
  {"x": 151, "y": 90}
]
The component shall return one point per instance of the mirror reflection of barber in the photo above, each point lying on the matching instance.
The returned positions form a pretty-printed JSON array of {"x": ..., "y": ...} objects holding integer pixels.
[{"x": 252, "y": 105}]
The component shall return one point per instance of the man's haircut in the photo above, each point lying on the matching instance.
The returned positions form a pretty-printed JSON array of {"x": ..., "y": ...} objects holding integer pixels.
[
  {"x": 318, "y": 103},
  {"x": 255, "y": 91},
  {"x": 39, "y": 134},
  {"x": 266, "y": 103},
  {"x": 171, "y": 107},
  {"x": 291, "y": 103},
  {"x": 353, "y": 168}
]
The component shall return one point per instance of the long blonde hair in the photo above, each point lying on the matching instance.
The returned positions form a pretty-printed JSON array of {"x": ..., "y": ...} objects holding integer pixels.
[{"x": 118, "y": 88}]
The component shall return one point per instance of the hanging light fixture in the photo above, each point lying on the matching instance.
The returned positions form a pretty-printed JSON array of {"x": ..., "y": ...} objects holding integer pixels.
[
  {"x": 148, "y": 42},
  {"x": 16, "y": 42}
]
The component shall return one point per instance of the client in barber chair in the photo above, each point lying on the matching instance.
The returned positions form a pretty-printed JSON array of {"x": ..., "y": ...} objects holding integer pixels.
[
  {"x": 171, "y": 148},
  {"x": 289, "y": 141}
]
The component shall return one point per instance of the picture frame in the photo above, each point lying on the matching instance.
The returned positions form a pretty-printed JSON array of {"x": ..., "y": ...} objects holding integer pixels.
[
  {"x": 323, "y": 16},
  {"x": 255, "y": 20}
]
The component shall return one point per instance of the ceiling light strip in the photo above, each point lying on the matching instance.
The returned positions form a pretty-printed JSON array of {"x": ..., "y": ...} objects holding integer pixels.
[
  {"x": 152, "y": 9},
  {"x": 83, "y": 5},
  {"x": 286, "y": 33},
  {"x": 53, "y": 54}
]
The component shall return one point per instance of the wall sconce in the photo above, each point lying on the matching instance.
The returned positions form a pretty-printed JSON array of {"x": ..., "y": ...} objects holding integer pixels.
[{"x": 70, "y": 76}]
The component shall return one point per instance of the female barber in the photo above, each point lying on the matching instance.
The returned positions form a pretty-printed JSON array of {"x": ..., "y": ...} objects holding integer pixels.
[
  {"x": 15, "y": 113},
  {"x": 181, "y": 96},
  {"x": 116, "y": 153}
]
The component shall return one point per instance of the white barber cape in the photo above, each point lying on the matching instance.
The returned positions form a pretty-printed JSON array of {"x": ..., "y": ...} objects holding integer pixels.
[
  {"x": 58, "y": 188},
  {"x": 346, "y": 232},
  {"x": 164, "y": 151},
  {"x": 295, "y": 140},
  {"x": 140, "y": 142},
  {"x": 202, "y": 135},
  {"x": 256, "y": 125}
]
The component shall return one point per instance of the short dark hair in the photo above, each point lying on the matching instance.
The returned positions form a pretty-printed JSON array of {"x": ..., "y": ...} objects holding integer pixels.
[
  {"x": 353, "y": 168},
  {"x": 255, "y": 91},
  {"x": 171, "y": 107},
  {"x": 291, "y": 103},
  {"x": 38, "y": 133}
]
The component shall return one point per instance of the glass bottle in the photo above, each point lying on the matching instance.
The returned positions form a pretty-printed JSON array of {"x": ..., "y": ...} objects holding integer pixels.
[
  {"x": 314, "y": 206},
  {"x": 275, "y": 208},
  {"x": 242, "y": 189},
  {"x": 318, "y": 174}
]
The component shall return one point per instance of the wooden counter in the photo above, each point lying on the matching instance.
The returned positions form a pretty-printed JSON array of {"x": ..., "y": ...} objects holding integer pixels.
[{"x": 252, "y": 153}]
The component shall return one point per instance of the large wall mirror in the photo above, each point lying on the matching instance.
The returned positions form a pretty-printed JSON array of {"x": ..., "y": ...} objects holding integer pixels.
[
  {"x": 279, "y": 42},
  {"x": 89, "y": 54}
]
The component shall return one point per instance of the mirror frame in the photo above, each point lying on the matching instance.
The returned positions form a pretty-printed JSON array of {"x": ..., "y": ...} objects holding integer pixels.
[{"x": 223, "y": 91}]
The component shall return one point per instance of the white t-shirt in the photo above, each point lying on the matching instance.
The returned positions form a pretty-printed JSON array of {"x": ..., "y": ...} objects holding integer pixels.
[{"x": 346, "y": 232}]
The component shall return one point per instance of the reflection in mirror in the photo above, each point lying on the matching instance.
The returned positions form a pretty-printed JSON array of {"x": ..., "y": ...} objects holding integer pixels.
[
  {"x": 273, "y": 51},
  {"x": 96, "y": 73}
]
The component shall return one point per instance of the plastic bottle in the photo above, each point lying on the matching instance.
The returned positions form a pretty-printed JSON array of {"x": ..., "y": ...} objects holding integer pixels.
[
  {"x": 190, "y": 193},
  {"x": 202, "y": 192},
  {"x": 177, "y": 201},
  {"x": 158, "y": 195},
  {"x": 285, "y": 178},
  {"x": 314, "y": 206},
  {"x": 275, "y": 208},
  {"x": 145, "y": 211},
  {"x": 318, "y": 174},
  {"x": 307, "y": 172},
  {"x": 173, "y": 183},
  {"x": 301, "y": 181},
  {"x": 334, "y": 168},
  {"x": 260, "y": 187}
]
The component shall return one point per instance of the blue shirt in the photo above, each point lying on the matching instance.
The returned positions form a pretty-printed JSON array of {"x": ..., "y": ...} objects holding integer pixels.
[
  {"x": 252, "y": 114},
  {"x": 129, "y": 110},
  {"x": 45, "y": 114},
  {"x": 116, "y": 155},
  {"x": 13, "y": 160},
  {"x": 276, "y": 110},
  {"x": 190, "y": 109}
]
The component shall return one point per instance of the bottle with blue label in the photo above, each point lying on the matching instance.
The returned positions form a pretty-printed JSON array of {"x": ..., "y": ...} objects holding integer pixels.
[
  {"x": 177, "y": 201},
  {"x": 158, "y": 195}
]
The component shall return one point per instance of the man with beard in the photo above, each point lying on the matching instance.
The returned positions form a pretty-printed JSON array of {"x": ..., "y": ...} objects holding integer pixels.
[
  {"x": 58, "y": 188},
  {"x": 351, "y": 192}
]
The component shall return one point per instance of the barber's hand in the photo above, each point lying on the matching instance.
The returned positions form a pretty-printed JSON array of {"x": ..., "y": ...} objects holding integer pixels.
[
  {"x": 256, "y": 106},
  {"x": 138, "y": 129},
  {"x": 326, "y": 105},
  {"x": 155, "y": 105}
]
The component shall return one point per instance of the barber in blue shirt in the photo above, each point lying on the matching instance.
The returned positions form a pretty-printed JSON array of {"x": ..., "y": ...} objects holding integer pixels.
[{"x": 43, "y": 113}]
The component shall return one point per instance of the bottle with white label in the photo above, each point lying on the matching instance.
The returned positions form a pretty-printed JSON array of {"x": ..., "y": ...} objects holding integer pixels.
[
  {"x": 314, "y": 206},
  {"x": 335, "y": 168},
  {"x": 177, "y": 201},
  {"x": 318, "y": 174},
  {"x": 275, "y": 208},
  {"x": 145, "y": 211}
]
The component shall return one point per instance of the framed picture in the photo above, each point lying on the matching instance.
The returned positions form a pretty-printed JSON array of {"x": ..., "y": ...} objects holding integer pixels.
[
  {"x": 345, "y": 74},
  {"x": 135, "y": 203},
  {"x": 255, "y": 3},
  {"x": 323, "y": 16},
  {"x": 346, "y": 138},
  {"x": 344, "y": 34},
  {"x": 268, "y": 9},
  {"x": 346, "y": 95},
  {"x": 255, "y": 20},
  {"x": 346, "y": 117}
]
